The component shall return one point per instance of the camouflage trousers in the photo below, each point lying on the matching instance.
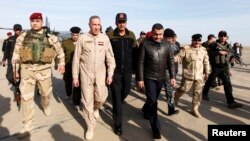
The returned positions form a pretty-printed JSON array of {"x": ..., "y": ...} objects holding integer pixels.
[
  {"x": 29, "y": 79},
  {"x": 186, "y": 85}
]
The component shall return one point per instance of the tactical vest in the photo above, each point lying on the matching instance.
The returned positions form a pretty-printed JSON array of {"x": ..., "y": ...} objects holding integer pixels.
[
  {"x": 221, "y": 59},
  {"x": 36, "y": 49}
]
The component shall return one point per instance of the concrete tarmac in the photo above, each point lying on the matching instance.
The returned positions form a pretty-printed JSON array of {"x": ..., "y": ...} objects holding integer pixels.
[{"x": 67, "y": 124}]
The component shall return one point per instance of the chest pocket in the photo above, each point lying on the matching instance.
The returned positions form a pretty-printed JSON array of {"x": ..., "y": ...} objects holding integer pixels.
[
  {"x": 86, "y": 48},
  {"x": 191, "y": 57}
]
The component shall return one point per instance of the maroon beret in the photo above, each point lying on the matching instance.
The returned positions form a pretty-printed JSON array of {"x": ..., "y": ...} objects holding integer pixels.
[
  {"x": 9, "y": 34},
  {"x": 36, "y": 16}
]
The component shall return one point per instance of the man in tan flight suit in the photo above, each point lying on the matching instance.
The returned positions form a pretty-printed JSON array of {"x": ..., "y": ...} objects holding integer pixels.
[
  {"x": 195, "y": 69},
  {"x": 34, "y": 52},
  {"x": 94, "y": 60}
]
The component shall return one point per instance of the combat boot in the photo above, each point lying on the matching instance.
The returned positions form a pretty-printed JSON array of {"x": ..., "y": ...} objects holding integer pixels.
[
  {"x": 89, "y": 134},
  {"x": 96, "y": 113},
  {"x": 195, "y": 111},
  {"x": 25, "y": 132},
  {"x": 47, "y": 111}
]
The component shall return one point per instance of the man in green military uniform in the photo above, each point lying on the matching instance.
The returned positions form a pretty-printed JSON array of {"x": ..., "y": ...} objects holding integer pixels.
[
  {"x": 34, "y": 51},
  {"x": 69, "y": 47}
]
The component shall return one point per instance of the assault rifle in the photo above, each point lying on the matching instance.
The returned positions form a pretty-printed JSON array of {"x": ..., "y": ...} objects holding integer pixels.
[
  {"x": 232, "y": 52},
  {"x": 17, "y": 92}
]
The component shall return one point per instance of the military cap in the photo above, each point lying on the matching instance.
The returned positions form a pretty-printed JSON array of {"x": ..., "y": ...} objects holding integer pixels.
[
  {"x": 196, "y": 37},
  {"x": 121, "y": 17},
  {"x": 222, "y": 33},
  {"x": 169, "y": 33},
  {"x": 36, "y": 16},
  {"x": 17, "y": 27},
  {"x": 9, "y": 33},
  {"x": 75, "y": 29}
]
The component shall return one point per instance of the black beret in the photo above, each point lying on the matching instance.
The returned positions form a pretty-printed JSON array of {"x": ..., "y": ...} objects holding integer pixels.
[
  {"x": 75, "y": 29},
  {"x": 222, "y": 33},
  {"x": 169, "y": 33},
  {"x": 17, "y": 26},
  {"x": 197, "y": 37}
]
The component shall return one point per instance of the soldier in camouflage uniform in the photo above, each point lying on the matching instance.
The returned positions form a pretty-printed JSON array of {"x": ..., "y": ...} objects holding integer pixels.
[
  {"x": 69, "y": 47},
  {"x": 34, "y": 51},
  {"x": 196, "y": 68}
]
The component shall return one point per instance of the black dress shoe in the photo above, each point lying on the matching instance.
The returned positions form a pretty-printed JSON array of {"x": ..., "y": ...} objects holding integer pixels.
[
  {"x": 205, "y": 97},
  {"x": 170, "y": 113},
  {"x": 118, "y": 130},
  {"x": 156, "y": 134},
  {"x": 234, "y": 105}
]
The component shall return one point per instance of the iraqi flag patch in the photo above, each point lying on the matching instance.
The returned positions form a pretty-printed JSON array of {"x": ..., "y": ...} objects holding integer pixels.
[{"x": 100, "y": 43}]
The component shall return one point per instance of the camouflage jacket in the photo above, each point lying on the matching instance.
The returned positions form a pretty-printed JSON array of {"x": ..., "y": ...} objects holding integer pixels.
[{"x": 195, "y": 63}]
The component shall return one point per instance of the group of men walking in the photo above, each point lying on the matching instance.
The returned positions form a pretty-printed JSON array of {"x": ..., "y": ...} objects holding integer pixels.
[{"x": 92, "y": 62}]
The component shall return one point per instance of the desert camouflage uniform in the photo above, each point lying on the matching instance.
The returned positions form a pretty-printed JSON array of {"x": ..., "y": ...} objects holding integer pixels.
[
  {"x": 94, "y": 60},
  {"x": 195, "y": 64},
  {"x": 35, "y": 73}
]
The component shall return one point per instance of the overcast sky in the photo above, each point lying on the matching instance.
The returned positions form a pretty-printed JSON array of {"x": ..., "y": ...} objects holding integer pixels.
[{"x": 186, "y": 17}]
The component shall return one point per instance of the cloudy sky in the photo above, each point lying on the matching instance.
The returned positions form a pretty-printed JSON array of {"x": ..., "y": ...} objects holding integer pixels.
[{"x": 186, "y": 17}]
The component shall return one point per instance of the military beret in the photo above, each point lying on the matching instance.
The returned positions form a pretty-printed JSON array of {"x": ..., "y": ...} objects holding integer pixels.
[
  {"x": 9, "y": 33},
  {"x": 36, "y": 16},
  {"x": 196, "y": 37},
  {"x": 149, "y": 35},
  {"x": 169, "y": 33},
  {"x": 75, "y": 29},
  {"x": 17, "y": 27},
  {"x": 222, "y": 33},
  {"x": 121, "y": 17}
]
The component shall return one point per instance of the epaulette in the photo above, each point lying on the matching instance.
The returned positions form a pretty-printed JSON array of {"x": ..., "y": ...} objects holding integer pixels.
[{"x": 185, "y": 47}]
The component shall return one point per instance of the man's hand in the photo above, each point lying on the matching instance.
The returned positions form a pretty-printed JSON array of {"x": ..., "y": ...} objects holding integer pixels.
[
  {"x": 206, "y": 77},
  {"x": 177, "y": 59},
  {"x": 61, "y": 69},
  {"x": 16, "y": 75},
  {"x": 4, "y": 63},
  {"x": 172, "y": 82},
  {"x": 109, "y": 80},
  {"x": 223, "y": 52},
  {"x": 140, "y": 84},
  {"x": 75, "y": 82}
]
